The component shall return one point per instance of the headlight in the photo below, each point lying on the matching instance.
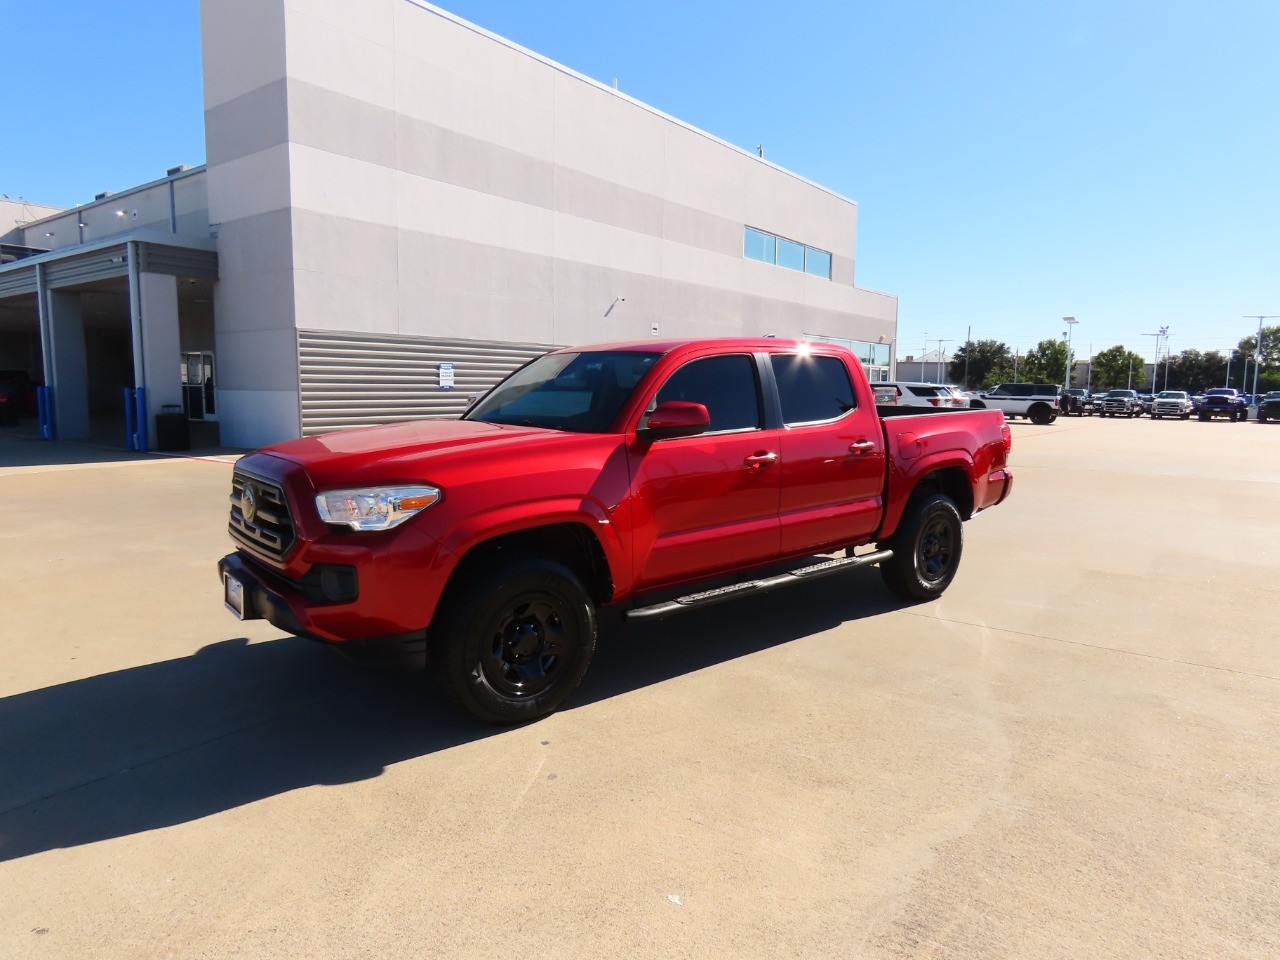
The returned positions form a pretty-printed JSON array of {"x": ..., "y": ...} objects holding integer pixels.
[{"x": 375, "y": 508}]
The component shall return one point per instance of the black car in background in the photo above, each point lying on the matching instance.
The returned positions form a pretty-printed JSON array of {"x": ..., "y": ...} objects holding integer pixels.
[
  {"x": 1074, "y": 402},
  {"x": 1269, "y": 406}
]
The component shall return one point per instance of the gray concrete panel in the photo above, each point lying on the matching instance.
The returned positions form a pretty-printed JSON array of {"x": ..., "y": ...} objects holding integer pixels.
[
  {"x": 243, "y": 48},
  {"x": 347, "y": 126},
  {"x": 250, "y": 185},
  {"x": 325, "y": 53},
  {"x": 604, "y": 201},
  {"x": 258, "y": 301},
  {"x": 697, "y": 228},
  {"x": 429, "y": 150},
  {"x": 258, "y": 359},
  {"x": 256, "y": 245},
  {"x": 447, "y": 263},
  {"x": 356, "y": 248},
  {"x": 248, "y": 124},
  {"x": 842, "y": 270},
  {"x": 70, "y": 370},
  {"x": 161, "y": 344},
  {"x": 336, "y": 301}
]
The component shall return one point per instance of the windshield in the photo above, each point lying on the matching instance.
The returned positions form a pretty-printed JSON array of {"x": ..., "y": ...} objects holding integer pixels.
[
  {"x": 1121, "y": 393},
  {"x": 1173, "y": 395},
  {"x": 578, "y": 392},
  {"x": 1221, "y": 392}
]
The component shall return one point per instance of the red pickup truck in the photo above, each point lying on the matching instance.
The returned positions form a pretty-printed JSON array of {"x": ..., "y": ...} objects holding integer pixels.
[{"x": 640, "y": 475}]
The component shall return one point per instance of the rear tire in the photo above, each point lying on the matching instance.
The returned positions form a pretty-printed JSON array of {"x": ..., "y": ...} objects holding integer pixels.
[
  {"x": 926, "y": 549},
  {"x": 1040, "y": 414},
  {"x": 513, "y": 644}
]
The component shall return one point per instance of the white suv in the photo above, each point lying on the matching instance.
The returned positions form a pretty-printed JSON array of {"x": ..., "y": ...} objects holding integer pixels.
[
  {"x": 1038, "y": 402},
  {"x": 919, "y": 395}
]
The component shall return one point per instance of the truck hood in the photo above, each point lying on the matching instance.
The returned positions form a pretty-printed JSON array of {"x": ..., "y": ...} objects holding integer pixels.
[{"x": 414, "y": 451}]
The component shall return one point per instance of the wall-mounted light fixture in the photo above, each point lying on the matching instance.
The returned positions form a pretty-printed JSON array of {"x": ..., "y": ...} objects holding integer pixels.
[
  {"x": 48, "y": 233},
  {"x": 119, "y": 213}
]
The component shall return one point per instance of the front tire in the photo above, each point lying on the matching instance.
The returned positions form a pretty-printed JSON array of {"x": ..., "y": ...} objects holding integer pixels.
[
  {"x": 926, "y": 549},
  {"x": 512, "y": 645}
]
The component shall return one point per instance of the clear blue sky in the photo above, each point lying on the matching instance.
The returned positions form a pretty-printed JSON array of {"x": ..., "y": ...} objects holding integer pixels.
[{"x": 1013, "y": 161}]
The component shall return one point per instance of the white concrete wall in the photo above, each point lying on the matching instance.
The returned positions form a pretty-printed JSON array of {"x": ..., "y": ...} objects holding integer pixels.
[
  {"x": 16, "y": 214},
  {"x": 246, "y": 138},
  {"x": 445, "y": 183},
  {"x": 380, "y": 166},
  {"x": 148, "y": 206}
]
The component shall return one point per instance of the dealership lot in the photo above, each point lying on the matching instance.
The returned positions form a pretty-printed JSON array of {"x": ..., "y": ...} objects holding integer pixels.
[{"x": 1075, "y": 752}]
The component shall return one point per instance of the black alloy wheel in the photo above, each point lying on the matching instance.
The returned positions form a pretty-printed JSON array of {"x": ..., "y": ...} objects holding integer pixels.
[
  {"x": 926, "y": 549},
  {"x": 512, "y": 646}
]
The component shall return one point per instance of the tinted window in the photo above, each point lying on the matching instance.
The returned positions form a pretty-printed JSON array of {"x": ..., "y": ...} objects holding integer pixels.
[
  {"x": 726, "y": 386},
  {"x": 812, "y": 388},
  {"x": 1012, "y": 390},
  {"x": 580, "y": 392},
  {"x": 921, "y": 390}
]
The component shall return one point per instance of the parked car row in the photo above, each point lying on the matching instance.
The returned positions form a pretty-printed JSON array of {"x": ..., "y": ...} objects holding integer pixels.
[{"x": 1043, "y": 403}]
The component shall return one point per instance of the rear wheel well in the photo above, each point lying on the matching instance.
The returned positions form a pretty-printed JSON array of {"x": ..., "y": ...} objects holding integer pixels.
[
  {"x": 570, "y": 544},
  {"x": 952, "y": 481}
]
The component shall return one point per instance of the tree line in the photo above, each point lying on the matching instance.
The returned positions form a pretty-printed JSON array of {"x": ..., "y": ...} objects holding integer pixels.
[{"x": 985, "y": 363}]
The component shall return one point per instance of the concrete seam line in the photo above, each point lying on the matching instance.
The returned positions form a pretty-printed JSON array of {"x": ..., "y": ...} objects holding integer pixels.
[{"x": 1097, "y": 646}]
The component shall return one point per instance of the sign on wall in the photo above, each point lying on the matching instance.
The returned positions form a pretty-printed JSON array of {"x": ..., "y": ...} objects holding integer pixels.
[{"x": 446, "y": 375}]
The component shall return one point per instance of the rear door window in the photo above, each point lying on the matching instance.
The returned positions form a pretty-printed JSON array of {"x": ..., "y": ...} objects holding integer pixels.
[{"x": 812, "y": 388}]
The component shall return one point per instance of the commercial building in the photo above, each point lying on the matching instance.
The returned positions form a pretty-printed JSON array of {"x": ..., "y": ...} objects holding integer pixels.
[{"x": 397, "y": 208}]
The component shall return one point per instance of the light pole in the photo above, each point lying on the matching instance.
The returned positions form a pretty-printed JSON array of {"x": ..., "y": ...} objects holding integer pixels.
[
  {"x": 1155, "y": 364},
  {"x": 1257, "y": 345},
  {"x": 1070, "y": 322},
  {"x": 940, "y": 343}
]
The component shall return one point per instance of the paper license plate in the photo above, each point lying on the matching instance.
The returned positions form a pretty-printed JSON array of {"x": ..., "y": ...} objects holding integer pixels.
[{"x": 233, "y": 594}]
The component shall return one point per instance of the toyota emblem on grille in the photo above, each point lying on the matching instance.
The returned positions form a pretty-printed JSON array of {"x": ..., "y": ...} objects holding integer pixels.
[{"x": 248, "y": 503}]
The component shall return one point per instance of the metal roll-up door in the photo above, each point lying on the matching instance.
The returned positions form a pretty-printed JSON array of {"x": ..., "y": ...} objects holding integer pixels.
[{"x": 360, "y": 380}]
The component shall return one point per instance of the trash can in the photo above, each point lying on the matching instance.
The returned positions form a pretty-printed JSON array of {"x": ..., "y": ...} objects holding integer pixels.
[{"x": 172, "y": 430}]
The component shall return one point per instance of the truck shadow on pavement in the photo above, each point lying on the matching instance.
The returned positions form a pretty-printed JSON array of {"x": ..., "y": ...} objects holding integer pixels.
[{"x": 171, "y": 742}]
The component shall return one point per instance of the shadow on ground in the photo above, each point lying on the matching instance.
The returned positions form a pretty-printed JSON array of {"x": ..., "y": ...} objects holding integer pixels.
[
  {"x": 17, "y": 449},
  {"x": 171, "y": 742}
]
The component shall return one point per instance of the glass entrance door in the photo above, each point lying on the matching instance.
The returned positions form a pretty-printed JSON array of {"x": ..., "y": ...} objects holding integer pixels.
[{"x": 198, "y": 386}]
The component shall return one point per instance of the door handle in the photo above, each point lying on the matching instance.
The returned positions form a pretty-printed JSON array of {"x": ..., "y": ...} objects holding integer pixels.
[
  {"x": 758, "y": 460},
  {"x": 861, "y": 447}
]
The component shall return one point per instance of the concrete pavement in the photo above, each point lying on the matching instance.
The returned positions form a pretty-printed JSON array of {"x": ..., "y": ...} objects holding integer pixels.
[{"x": 1075, "y": 752}]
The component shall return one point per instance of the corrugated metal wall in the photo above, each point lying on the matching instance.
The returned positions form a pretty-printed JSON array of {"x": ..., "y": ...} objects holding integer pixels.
[{"x": 362, "y": 379}]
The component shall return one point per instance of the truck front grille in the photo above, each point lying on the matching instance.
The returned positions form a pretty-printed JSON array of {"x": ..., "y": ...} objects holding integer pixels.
[{"x": 260, "y": 516}]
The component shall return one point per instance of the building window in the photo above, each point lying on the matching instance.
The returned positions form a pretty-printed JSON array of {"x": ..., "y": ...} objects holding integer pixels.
[
  {"x": 767, "y": 248},
  {"x": 759, "y": 246},
  {"x": 817, "y": 262},
  {"x": 874, "y": 357}
]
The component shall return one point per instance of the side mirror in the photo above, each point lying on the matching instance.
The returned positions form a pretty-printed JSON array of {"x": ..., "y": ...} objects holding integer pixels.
[{"x": 675, "y": 418}]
